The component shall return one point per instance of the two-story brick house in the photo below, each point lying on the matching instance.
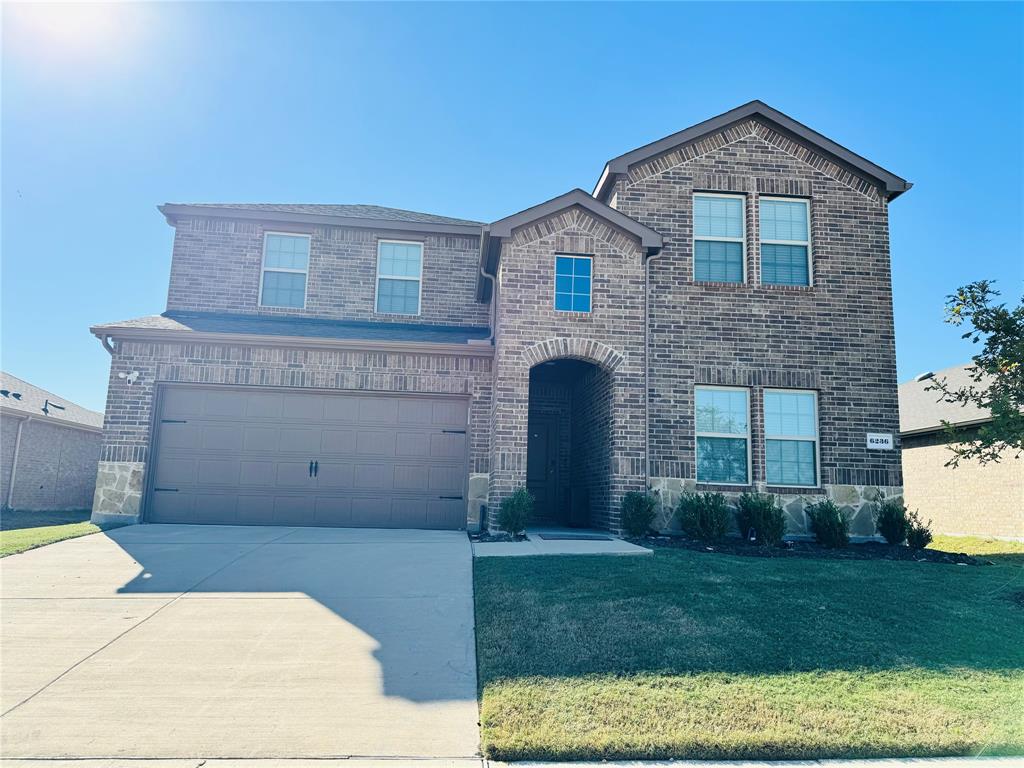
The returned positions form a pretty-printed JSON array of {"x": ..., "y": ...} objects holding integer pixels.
[{"x": 717, "y": 314}]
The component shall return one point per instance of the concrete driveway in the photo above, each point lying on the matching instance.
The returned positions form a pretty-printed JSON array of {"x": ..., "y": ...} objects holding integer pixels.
[{"x": 173, "y": 641}]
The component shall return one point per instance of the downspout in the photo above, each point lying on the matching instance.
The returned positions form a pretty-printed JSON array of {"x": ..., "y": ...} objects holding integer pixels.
[
  {"x": 647, "y": 368},
  {"x": 492, "y": 313},
  {"x": 14, "y": 461}
]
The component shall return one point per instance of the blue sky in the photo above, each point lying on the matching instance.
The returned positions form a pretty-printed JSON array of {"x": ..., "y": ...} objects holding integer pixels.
[{"x": 474, "y": 111}]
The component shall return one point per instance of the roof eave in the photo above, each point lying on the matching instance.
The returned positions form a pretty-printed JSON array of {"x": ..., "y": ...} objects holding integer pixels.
[
  {"x": 174, "y": 211},
  {"x": 941, "y": 427}
]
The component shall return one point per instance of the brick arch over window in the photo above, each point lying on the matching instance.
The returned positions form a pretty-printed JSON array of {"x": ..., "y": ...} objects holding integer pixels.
[{"x": 576, "y": 349}]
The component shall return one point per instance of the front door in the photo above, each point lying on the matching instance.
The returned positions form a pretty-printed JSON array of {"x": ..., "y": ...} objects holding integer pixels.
[{"x": 542, "y": 466}]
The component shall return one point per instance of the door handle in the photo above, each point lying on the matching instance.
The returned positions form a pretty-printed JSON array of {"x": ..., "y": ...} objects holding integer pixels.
[
  {"x": 311, "y": 469},
  {"x": 316, "y": 468}
]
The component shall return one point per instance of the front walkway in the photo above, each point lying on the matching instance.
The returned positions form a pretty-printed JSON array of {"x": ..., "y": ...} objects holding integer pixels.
[
  {"x": 174, "y": 641},
  {"x": 559, "y": 541}
]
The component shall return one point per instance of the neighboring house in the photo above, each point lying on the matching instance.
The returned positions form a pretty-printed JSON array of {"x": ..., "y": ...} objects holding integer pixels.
[
  {"x": 717, "y": 314},
  {"x": 49, "y": 449},
  {"x": 972, "y": 498}
]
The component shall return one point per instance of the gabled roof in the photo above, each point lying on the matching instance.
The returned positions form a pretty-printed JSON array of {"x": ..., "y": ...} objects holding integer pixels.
[
  {"x": 923, "y": 410},
  {"x": 278, "y": 330},
  {"x": 890, "y": 184},
  {"x": 367, "y": 216},
  {"x": 20, "y": 398},
  {"x": 490, "y": 244}
]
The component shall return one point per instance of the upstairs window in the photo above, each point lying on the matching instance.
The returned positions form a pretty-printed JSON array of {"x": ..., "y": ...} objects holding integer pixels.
[
  {"x": 399, "y": 277},
  {"x": 723, "y": 435},
  {"x": 573, "y": 283},
  {"x": 719, "y": 233},
  {"x": 785, "y": 241},
  {"x": 285, "y": 268},
  {"x": 791, "y": 437}
]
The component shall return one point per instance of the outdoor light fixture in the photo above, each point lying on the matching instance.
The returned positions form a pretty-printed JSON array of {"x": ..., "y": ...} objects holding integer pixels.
[{"x": 130, "y": 378}]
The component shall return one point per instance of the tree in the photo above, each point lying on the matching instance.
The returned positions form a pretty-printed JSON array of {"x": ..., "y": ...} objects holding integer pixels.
[{"x": 998, "y": 375}]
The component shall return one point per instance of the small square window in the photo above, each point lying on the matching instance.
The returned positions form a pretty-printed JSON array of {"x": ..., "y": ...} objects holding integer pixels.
[{"x": 573, "y": 283}]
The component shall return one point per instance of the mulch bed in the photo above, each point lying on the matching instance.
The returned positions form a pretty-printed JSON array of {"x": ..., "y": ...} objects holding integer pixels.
[
  {"x": 485, "y": 536},
  {"x": 872, "y": 550}
]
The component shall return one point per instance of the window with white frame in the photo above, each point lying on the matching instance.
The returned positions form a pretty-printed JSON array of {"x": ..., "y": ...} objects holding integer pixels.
[
  {"x": 785, "y": 241},
  {"x": 719, "y": 232},
  {"x": 285, "y": 268},
  {"x": 399, "y": 277},
  {"x": 791, "y": 437},
  {"x": 573, "y": 283},
  {"x": 723, "y": 435}
]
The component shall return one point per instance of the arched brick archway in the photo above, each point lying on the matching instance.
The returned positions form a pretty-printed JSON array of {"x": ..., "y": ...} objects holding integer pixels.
[{"x": 574, "y": 348}]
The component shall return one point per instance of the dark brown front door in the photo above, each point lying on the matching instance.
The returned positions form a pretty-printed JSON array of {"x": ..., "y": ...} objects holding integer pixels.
[{"x": 542, "y": 466}]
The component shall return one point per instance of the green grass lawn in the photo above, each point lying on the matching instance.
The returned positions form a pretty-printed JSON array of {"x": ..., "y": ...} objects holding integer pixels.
[
  {"x": 999, "y": 552},
  {"x": 21, "y": 531},
  {"x": 690, "y": 655}
]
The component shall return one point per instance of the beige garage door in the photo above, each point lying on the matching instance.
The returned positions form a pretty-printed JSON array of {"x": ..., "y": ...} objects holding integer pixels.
[{"x": 242, "y": 456}]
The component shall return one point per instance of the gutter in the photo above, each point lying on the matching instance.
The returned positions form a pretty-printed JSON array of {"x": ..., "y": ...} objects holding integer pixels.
[
  {"x": 472, "y": 348},
  {"x": 941, "y": 428}
]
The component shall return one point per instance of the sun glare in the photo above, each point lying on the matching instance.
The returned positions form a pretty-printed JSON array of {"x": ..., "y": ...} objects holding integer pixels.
[{"x": 65, "y": 30}]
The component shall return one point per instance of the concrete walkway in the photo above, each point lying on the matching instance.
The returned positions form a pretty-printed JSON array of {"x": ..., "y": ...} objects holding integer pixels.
[
  {"x": 559, "y": 541},
  {"x": 204, "y": 642}
]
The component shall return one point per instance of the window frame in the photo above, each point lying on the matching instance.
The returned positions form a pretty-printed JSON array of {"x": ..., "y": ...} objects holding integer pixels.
[
  {"x": 378, "y": 276},
  {"x": 804, "y": 438},
  {"x": 264, "y": 268},
  {"x": 742, "y": 239},
  {"x": 697, "y": 434},
  {"x": 762, "y": 241},
  {"x": 554, "y": 283}
]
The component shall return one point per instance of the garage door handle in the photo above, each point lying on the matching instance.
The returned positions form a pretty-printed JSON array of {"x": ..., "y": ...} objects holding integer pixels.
[
  {"x": 311, "y": 469},
  {"x": 453, "y": 431},
  {"x": 173, "y": 490},
  {"x": 456, "y": 498},
  {"x": 316, "y": 468}
]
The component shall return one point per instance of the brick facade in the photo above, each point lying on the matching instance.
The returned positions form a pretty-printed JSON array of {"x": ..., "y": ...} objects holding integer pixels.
[
  {"x": 217, "y": 267},
  {"x": 629, "y": 421},
  {"x": 969, "y": 500}
]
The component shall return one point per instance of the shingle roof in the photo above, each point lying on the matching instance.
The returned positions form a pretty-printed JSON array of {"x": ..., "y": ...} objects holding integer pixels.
[
  {"x": 300, "y": 327},
  {"x": 348, "y": 211},
  {"x": 25, "y": 398},
  {"x": 923, "y": 410}
]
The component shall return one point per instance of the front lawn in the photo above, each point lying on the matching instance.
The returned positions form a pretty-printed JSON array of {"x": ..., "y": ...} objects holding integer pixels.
[
  {"x": 21, "y": 531},
  {"x": 691, "y": 655},
  {"x": 998, "y": 551}
]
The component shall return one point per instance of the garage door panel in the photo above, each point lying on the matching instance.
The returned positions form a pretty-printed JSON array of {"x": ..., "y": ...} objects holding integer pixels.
[
  {"x": 304, "y": 440},
  {"x": 341, "y": 441},
  {"x": 236, "y": 455}
]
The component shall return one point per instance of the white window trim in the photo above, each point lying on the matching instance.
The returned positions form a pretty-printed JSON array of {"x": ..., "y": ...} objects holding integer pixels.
[
  {"x": 807, "y": 242},
  {"x": 554, "y": 283},
  {"x": 264, "y": 268},
  {"x": 698, "y": 434},
  {"x": 742, "y": 239},
  {"x": 816, "y": 439},
  {"x": 377, "y": 279}
]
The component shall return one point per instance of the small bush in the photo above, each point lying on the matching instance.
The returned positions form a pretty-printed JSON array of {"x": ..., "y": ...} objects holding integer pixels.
[
  {"x": 919, "y": 533},
  {"x": 760, "y": 512},
  {"x": 891, "y": 521},
  {"x": 638, "y": 513},
  {"x": 703, "y": 516},
  {"x": 515, "y": 511},
  {"x": 828, "y": 524}
]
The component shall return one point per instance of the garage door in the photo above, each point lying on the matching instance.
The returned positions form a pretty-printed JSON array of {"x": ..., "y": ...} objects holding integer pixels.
[{"x": 257, "y": 457}]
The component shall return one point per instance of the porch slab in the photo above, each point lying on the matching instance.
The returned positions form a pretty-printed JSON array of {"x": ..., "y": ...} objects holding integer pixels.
[{"x": 535, "y": 545}]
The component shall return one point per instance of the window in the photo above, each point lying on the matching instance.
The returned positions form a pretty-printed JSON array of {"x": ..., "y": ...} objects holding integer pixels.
[
  {"x": 785, "y": 242},
  {"x": 723, "y": 435},
  {"x": 399, "y": 273},
  {"x": 285, "y": 265},
  {"x": 572, "y": 283},
  {"x": 791, "y": 437},
  {"x": 718, "y": 238}
]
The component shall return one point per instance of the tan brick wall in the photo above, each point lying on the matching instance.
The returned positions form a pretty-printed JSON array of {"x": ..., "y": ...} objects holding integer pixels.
[{"x": 972, "y": 499}]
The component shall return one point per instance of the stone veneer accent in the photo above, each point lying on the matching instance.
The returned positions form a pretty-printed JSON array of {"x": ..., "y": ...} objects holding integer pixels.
[
  {"x": 858, "y": 502},
  {"x": 118, "y": 497}
]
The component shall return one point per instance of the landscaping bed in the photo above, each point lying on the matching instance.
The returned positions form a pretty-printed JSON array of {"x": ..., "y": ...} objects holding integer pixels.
[
  {"x": 689, "y": 654},
  {"x": 869, "y": 550}
]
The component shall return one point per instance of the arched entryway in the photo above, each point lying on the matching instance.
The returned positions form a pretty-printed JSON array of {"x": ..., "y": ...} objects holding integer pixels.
[{"x": 569, "y": 442}]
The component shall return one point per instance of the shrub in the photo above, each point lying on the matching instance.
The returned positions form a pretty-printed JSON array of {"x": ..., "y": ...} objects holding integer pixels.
[
  {"x": 828, "y": 524},
  {"x": 760, "y": 512},
  {"x": 703, "y": 515},
  {"x": 638, "y": 513},
  {"x": 515, "y": 511},
  {"x": 891, "y": 521},
  {"x": 919, "y": 533}
]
